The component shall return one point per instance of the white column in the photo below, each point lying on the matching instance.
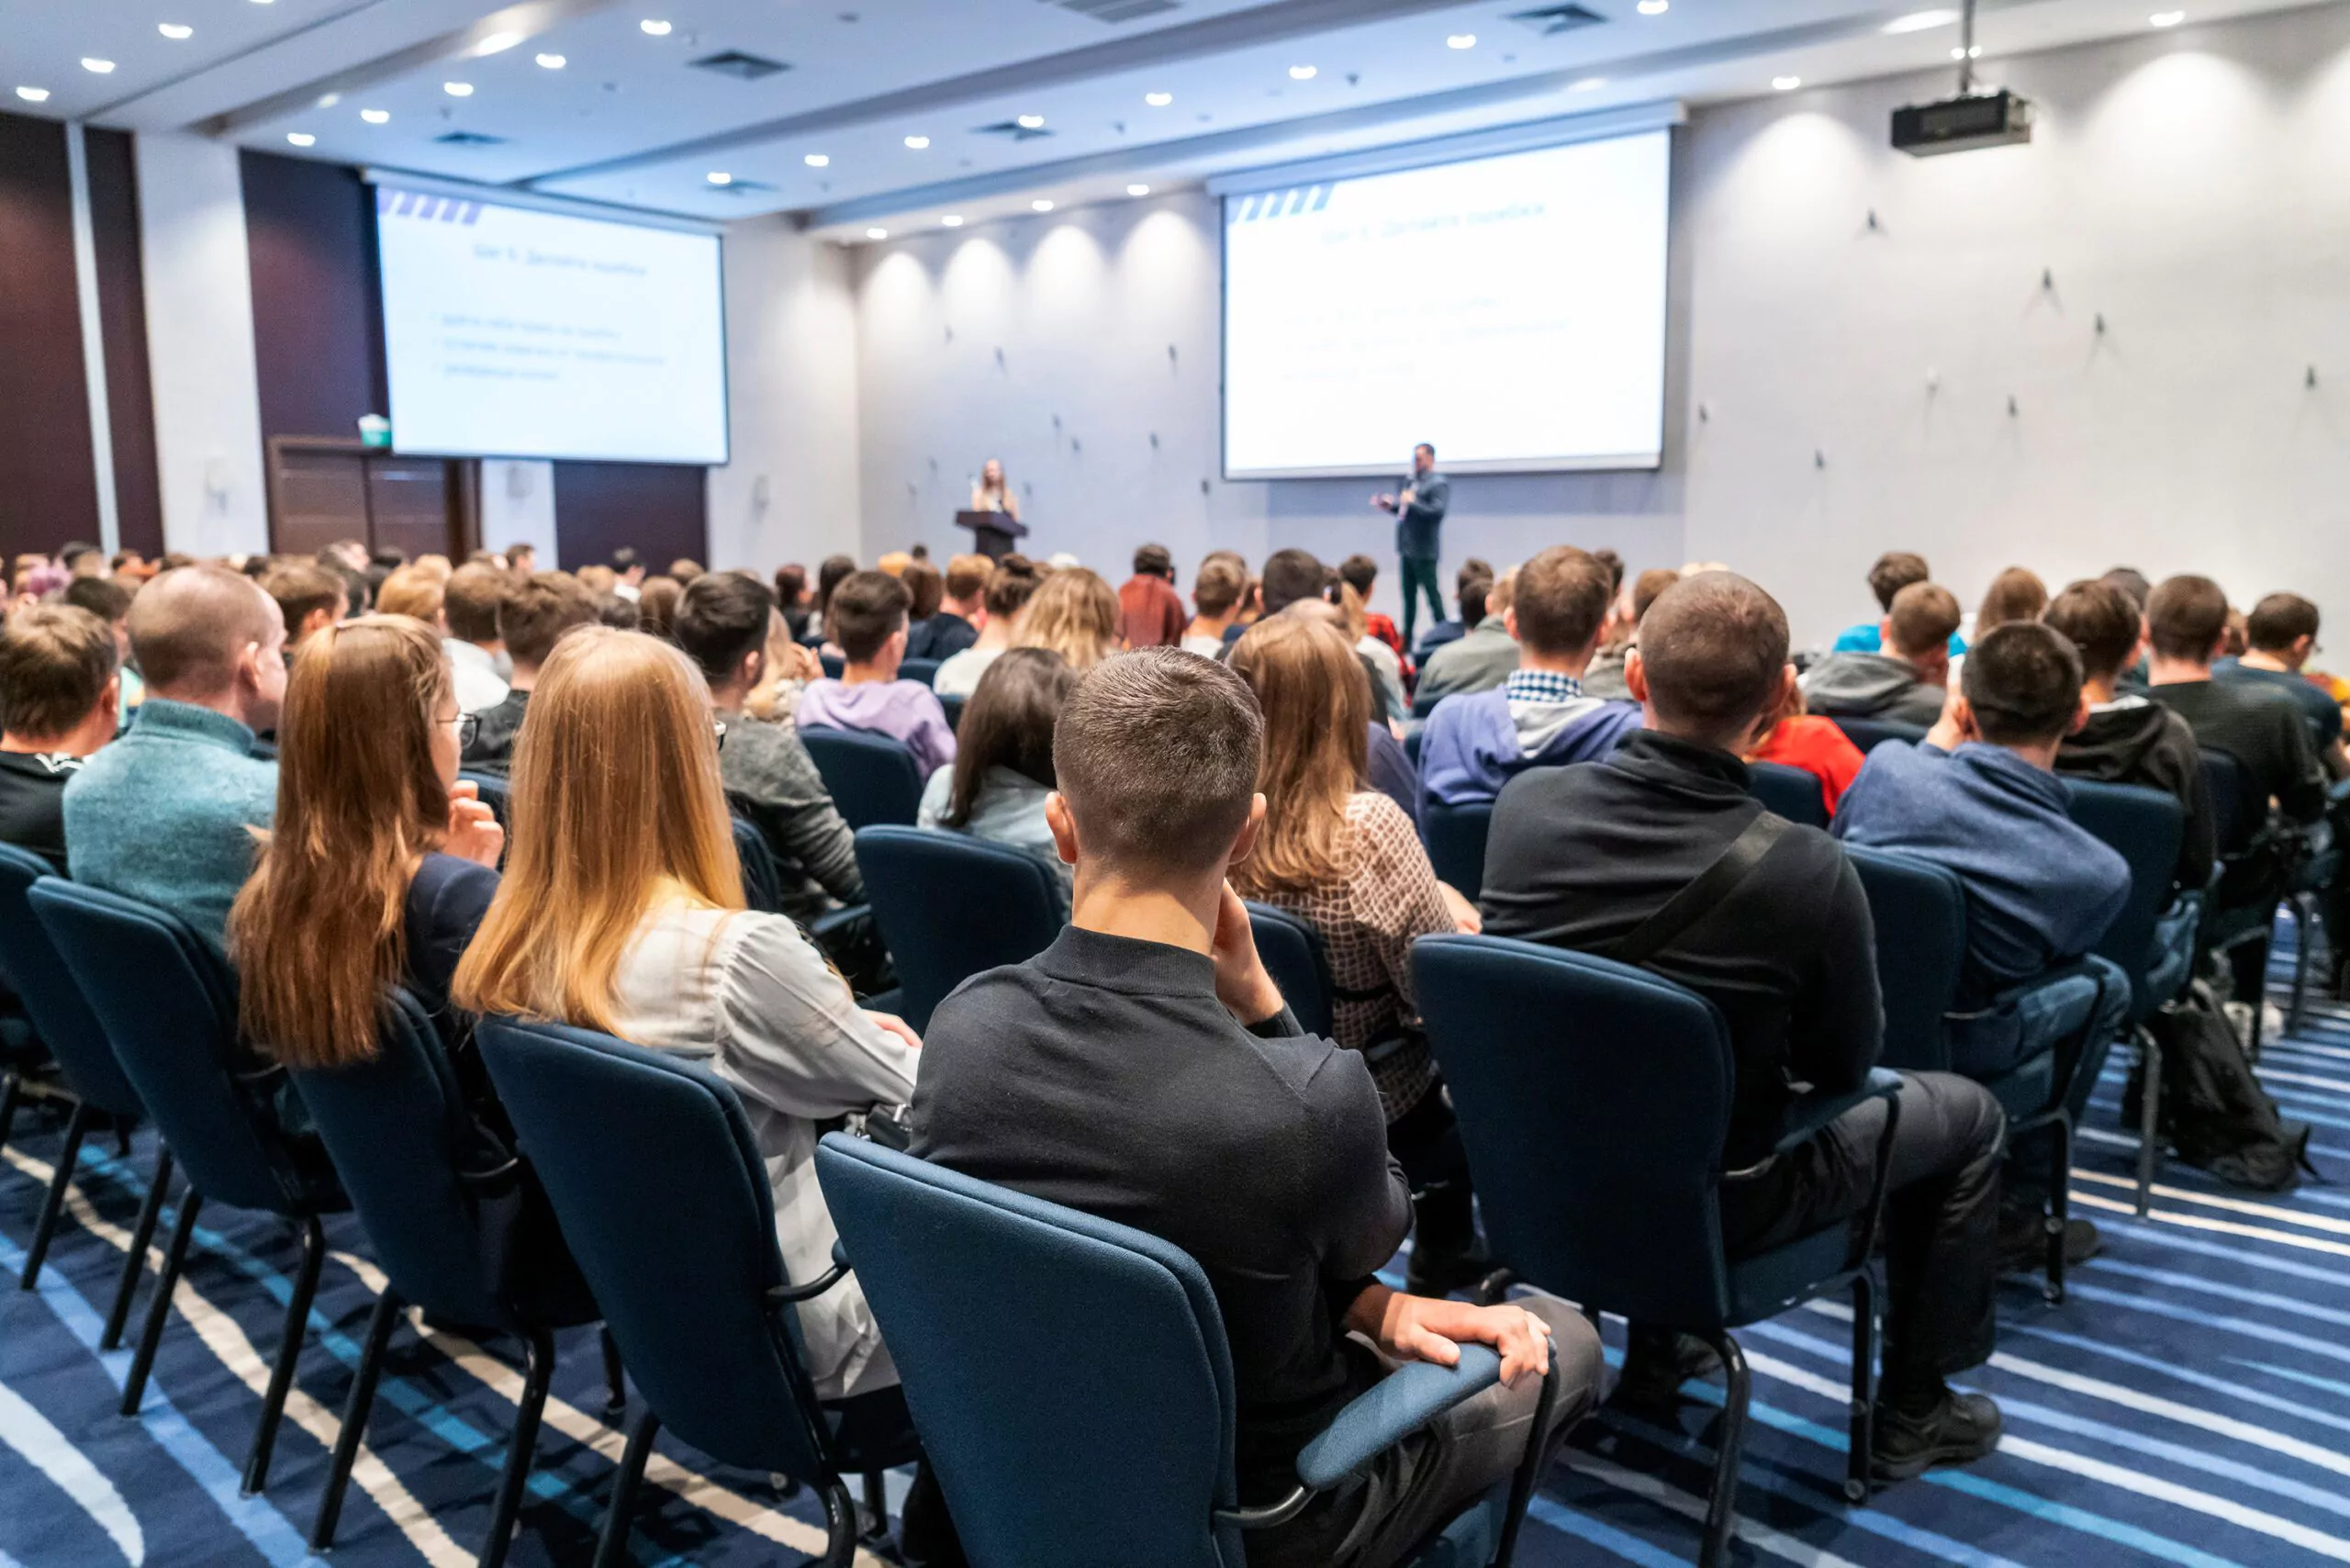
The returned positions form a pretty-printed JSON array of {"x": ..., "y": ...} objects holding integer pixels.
[{"x": 94, "y": 343}]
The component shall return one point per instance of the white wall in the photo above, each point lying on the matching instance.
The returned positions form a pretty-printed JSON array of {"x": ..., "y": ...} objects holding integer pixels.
[
  {"x": 199, "y": 298},
  {"x": 792, "y": 415}
]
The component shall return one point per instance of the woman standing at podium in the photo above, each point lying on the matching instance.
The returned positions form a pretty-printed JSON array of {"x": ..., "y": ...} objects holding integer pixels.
[{"x": 989, "y": 493}]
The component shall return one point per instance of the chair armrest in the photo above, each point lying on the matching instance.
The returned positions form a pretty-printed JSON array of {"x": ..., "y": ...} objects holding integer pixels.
[
  {"x": 1815, "y": 1111},
  {"x": 834, "y": 920},
  {"x": 784, "y": 1296},
  {"x": 1390, "y": 1410}
]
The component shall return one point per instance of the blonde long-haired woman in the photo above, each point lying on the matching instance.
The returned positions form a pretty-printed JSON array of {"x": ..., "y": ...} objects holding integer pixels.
[
  {"x": 621, "y": 910},
  {"x": 1075, "y": 614},
  {"x": 1346, "y": 859},
  {"x": 991, "y": 492}
]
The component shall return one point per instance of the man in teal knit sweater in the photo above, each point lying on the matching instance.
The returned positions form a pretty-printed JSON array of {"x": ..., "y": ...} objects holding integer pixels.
[{"x": 165, "y": 814}]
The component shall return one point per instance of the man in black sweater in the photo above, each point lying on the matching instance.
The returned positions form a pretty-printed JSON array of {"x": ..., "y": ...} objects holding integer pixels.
[
  {"x": 1144, "y": 1067},
  {"x": 1581, "y": 857}
]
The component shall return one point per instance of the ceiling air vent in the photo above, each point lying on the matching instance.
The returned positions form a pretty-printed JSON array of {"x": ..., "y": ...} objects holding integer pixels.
[
  {"x": 744, "y": 67},
  {"x": 468, "y": 139},
  {"x": 1114, "y": 11},
  {"x": 1012, "y": 131},
  {"x": 1552, "y": 20}
]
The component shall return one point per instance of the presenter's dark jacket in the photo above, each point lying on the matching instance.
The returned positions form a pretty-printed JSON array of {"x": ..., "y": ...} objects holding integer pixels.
[{"x": 1419, "y": 524}]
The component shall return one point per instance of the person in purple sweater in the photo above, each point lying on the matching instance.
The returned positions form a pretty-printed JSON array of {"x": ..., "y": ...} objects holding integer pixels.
[
  {"x": 867, "y": 616},
  {"x": 1477, "y": 742}
]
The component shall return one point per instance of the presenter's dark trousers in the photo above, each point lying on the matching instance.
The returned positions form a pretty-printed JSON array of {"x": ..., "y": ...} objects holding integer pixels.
[{"x": 1419, "y": 576}]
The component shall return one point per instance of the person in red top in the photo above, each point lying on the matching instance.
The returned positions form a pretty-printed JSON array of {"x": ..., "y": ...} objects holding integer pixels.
[
  {"x": 1815, "y": 744},
  {"x": 1150, "y": 612}
]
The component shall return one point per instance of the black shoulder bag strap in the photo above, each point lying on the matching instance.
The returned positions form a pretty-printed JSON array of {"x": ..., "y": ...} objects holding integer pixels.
[{"x": 1690, "y": 905}]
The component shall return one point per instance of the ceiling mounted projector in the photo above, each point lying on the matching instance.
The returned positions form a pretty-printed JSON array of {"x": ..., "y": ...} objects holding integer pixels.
[{"x": 1963, "y": 124}]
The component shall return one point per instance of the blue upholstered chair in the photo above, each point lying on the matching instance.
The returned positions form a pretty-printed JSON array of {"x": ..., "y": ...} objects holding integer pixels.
[
  {"x": 1595, "y": 1099},
  {"x": 1918, "y": 909},
  {"x": 874, "y": 780},
  {"x": 922, "y": 670},
  {"x": 762, "y": 880},
  {"x": 1865, "y": 733},
  {"x": 1456, "y": 840},
  {"x": 167, "y": 1004},
  {"x": 1293, "y": 954},
  {"x": 1788, "y": 791},
  {"x": 834, "y": 665},
  {"x": 497, "y": 792},
  {"x": 693, "y": 1289},
  {"x": 952, "y": 704},
  {"x": 2262, "y": 860},
  {"x": 951, "y": 906},
  {"x": 66, "y": 1026},
  {"x": 1073, "y": 1385},
  {"x": 398, "y": 1132}
]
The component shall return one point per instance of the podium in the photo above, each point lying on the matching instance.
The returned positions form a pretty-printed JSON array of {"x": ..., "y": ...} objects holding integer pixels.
[{"x": 994, "y": 533}]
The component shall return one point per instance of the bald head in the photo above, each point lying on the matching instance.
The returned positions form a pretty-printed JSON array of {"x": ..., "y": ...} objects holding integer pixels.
[
  {"x": 191, "y": 629},
  {"x": 1713, "y": 657}
]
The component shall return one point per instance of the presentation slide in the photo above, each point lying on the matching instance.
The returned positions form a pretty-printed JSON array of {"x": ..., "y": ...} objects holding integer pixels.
[
  {"x": 513, "y": 332},
  {"x": 1510, "y": 309}
]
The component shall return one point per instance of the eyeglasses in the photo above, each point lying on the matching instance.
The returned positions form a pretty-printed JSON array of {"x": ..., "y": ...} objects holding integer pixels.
[{"x": 468, "y": 730}]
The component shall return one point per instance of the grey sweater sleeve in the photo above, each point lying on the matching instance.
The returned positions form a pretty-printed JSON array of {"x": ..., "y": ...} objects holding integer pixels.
[{"x": 778, "y": 781}]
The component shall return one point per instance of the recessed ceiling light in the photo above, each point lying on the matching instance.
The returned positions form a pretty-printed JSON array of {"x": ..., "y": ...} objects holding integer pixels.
[
  {"x": 1786, "y": 84},
  {"x": 376, "y": 117},
  {"x": 952, "y": 220},
  {"x": 1589, "y": 84},
  {"x": 816, "y": 160},
  {"x": 2159, "y": 19},
  {"x": 33, "y": 94},
  {"x": 877, "y": 233},
  {"x": 917, "y": 143},
  {"x": 1974, "y": 51},
  {"x": 1030, "y": 122},
  {"x": 175, "y": 30},
  {"x": 1920, "y": 21},
  {"x": 1159, "y": 100},
  {"x": 719, "y": 177},
  {"x": 1655, "y": 7},
  {"x": 1137, "y": 190},
  {"x": 1041, "y": 205},
  {"x": 1460, "y": 40},
  {"x": 300, "y": 138},
  {"x": 458, "y": 89},
  {"x": 1300, "y": 73},
  {"x": 91, "y": 62},
  {"x": 498, "y": 42},
  {"x": 653, "y": 26},
  {"x": 551, "y": 62},
  {"x": 329, "y": 100}
]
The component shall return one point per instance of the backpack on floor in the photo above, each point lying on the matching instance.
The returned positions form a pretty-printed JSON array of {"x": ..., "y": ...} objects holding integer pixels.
[{"x": 2214, "y": 1112}]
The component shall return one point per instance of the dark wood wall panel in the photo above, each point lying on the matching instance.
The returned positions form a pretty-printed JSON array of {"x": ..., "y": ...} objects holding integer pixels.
[
  {"x": 658, "y": 508},
  {"x": 122, "y": 318},
  {"x": 317, "y": 324},
  {"x": 49, "y": 492}
]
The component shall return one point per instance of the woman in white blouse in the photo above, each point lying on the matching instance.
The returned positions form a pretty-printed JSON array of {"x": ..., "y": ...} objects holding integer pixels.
[{"x": 621, "y": 910}]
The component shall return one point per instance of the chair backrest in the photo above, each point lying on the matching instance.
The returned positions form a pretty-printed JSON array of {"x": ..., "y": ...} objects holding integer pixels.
[
  {"x": 1865, "y": 733},
  {"x": 762, "y": 878},
  {"x": 835, "y": 666},
  {"x": 1293, "y": 956},
  {"x": 951, "y": 906},
  {"x": 661, "y": 1195},
  {"x": 918, "y": 669},
  {"x": 2143, "y": 826},
  {"x": 953, "y": 703},
  {"x": 874, "y": 780},
  {"x": 1920, "y": 912},
  {"x": 1456, "y": 840},
  {"x": 392, "y": 1125},
  {"x": 1788, "y": 791},
  {"x": 167, "y": 1005},
  {"x": 1595, "y": 1099},
  {"x": 1069, "y": 1375},
  {"x": 60, "y": 1013},
  {"x": 1412, "y": 746},
  {"x": 2235, "y": 818}
]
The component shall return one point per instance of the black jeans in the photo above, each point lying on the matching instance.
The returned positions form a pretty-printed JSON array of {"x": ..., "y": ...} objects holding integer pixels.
[
  {"x": 1419, "y": 577},
  {"x": 1941, "y": 1219}
]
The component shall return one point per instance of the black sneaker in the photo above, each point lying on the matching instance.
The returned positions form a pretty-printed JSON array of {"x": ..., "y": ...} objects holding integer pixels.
[
  {"x": 2023, "y": 1242},
  {"x": 1958, "y": 1430},
  {"x": 1653, "y": 1373}
]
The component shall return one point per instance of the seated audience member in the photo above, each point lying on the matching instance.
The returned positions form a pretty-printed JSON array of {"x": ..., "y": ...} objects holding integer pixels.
[
  {"x": 1811, "y": 744},
  {"x": 617, "y": 610},
  {"x": 521, "y": 561},
  {"x": 1290, "y": 575},
  {"x": 380, "y": 864},
  {"x": 792, "y": 665},
  {"x": 1538, "y": 716},
  {"x": 1907, "y": 683},
  {"x": 1582, "y": 858},
  {"x": 868, "y": 619},
  {"x": 648, "y": 939},
  {"x": 81, "y": 560},
  {"x": 2015, "y": 594},
  {"x": 108, "y": 599},
  {"x": 683, "y": 570},
  {"x": 165, "y": 814},
  {"x": 469, "y": 604},
  {"x": 657, "y": 605},
  {"x": 2280, "y": 634},
  {"x": 1217, "y": 592},
  {"x": 1471, "y": 590},
  {"x": 1002, "y": 770},
  {"x": 598, "y": 580},
  {"x": 1604, "y": 677},
  {"x": 1074, "y": 613},
  {"x": 416, "y": 593},
  {"x": 835, "y": 571},
  {"x": 1378, "y": 660},
  {"x": 532, "y": 616},
  {"x": 628, "y": 572},
  {"x": 1893, "y": 571},
  {"x": 1010, "y": 585},
  {"x": 954, "y": 626},
  {"x": 925, "y": 591},
  {"x": 309, "y": 597},
  {"x": 724, "y": 621},
  {"x": 2130, "y": 738},
  {"x": 1145, "y": 1069},
  {"x": 1479, "y": 662},
  {"x": 791, "y": 598},
  {"x": 1150, "y": 612},
  {"x": 1344, "y": 858},
  {"x": 2187, "y": 618},
  {"x": 1360, "y": 572},
  {"x": 894, "y": 562},
  {"x": 60, "y": 693}
]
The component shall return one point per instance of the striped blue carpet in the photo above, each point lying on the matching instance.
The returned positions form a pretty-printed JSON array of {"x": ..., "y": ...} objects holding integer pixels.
[{"x": 2189, "y": 1403}]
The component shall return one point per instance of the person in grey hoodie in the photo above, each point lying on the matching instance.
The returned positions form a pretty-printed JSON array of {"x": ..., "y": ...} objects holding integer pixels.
[
  {"x": 1906, "y": 684},
  {"x": 1002, "y": 772}
]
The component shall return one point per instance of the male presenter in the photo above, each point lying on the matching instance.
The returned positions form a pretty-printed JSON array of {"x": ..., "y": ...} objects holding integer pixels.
[{"x": 1419, "y": 522}]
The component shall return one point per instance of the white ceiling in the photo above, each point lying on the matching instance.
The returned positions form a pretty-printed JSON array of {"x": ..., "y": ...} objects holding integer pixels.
[{"x": 627, "y": 120}]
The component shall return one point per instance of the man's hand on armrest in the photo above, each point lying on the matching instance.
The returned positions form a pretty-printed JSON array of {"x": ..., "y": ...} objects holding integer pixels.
[{"x": 1420, "y": 1328}]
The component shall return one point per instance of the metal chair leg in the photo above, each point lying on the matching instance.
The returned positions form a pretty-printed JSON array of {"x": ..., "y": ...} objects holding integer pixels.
[
  {"x": 521, "y": 1447},
  {"x": 54, "y": 1204},
  {"x": 615, "y": 1380},
  {"x": 2060, "y": 1205},
  {"x": 1721, "y": 1510},
  {"x": 142, "y": 1361},
  {"x": 134, "y": 1262},
  {"x": 2304, "y": 906},
  {"x": 840, "y": 1526},
  {"x": 289, "y": 1350},
  {"x": 2150, "y": 1058},
  {"x": 877, "y": 1508},
  {"x": 10, "y": 1094},
  {"x": 611, "y": 1543},
  {"x": 1862, "y": 1440},
  {"x": 1532, "y": 1469},
  {"x": 354, "y": 1418}
]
